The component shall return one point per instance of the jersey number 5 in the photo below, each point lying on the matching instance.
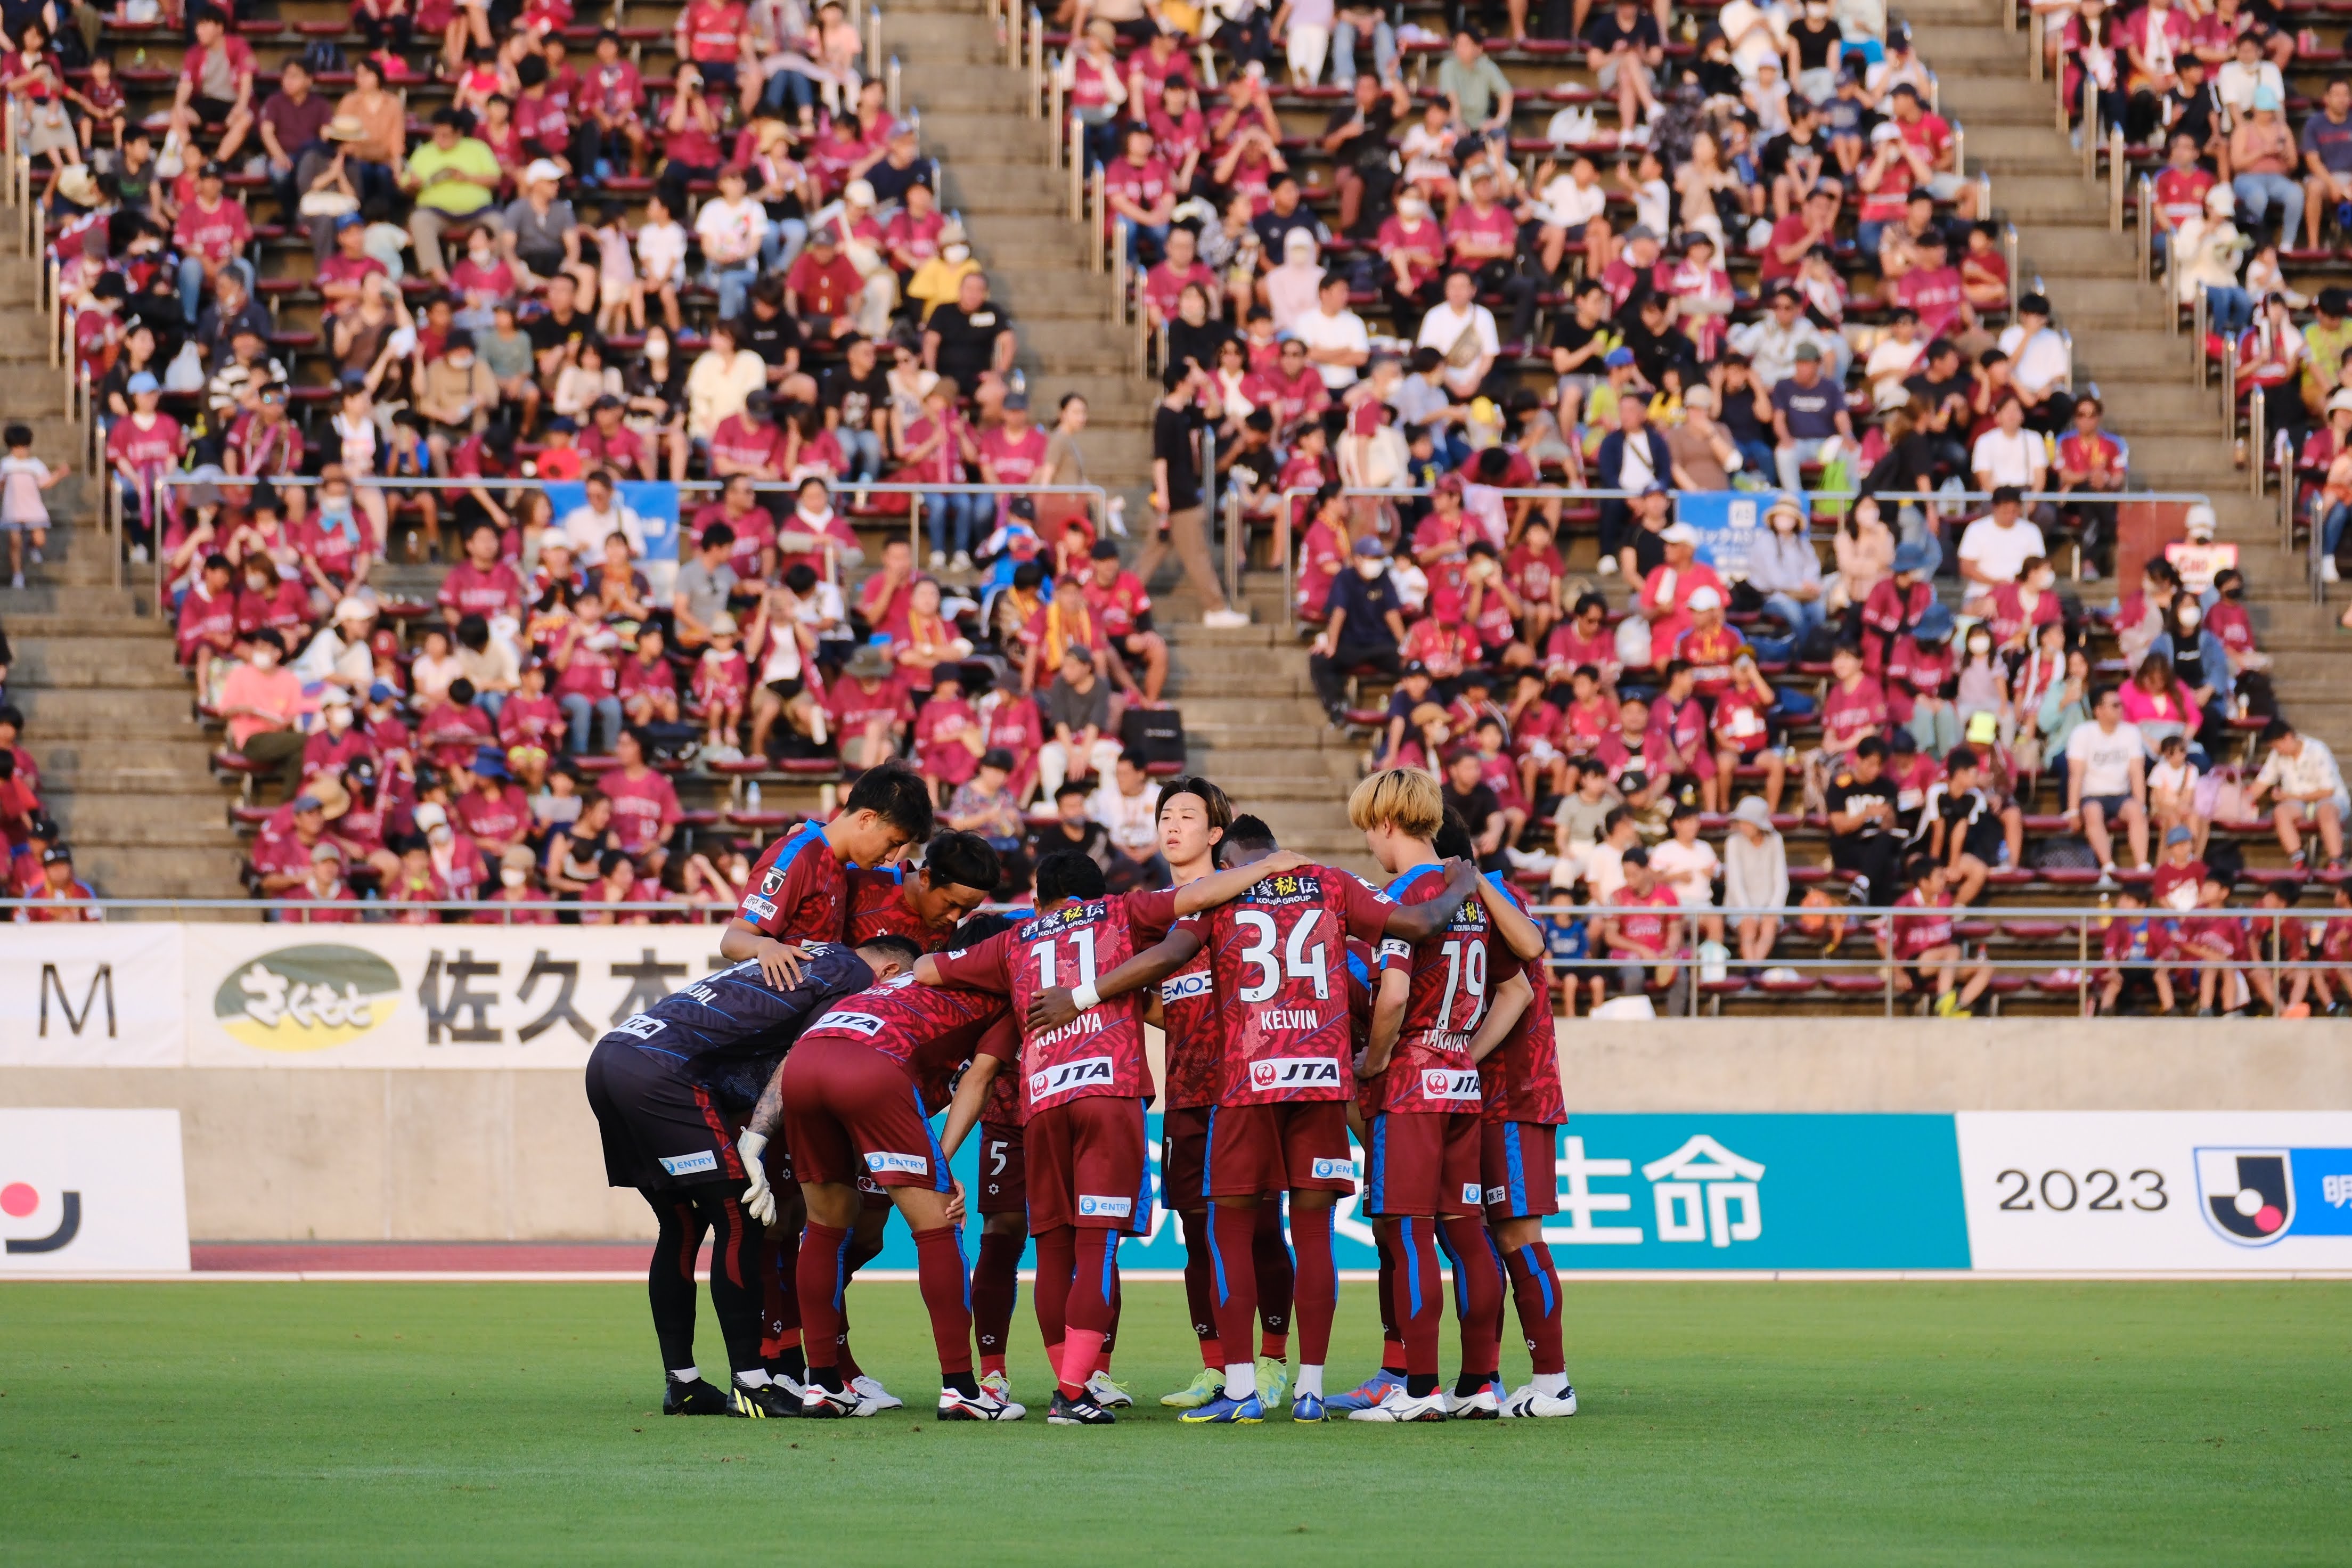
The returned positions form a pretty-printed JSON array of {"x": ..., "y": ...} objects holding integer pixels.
[
  {"x": 1305, "y": 962},
  {"x": 1083, "y": 942}
]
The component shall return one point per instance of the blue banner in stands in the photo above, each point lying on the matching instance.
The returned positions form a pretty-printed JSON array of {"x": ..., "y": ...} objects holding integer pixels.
[
  {"x": 655, "y": 502},
  {"x": 1727, "y": 522}
]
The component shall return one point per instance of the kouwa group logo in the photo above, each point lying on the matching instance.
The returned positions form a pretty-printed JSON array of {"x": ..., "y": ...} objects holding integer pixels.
[{"x": 307, "y": 998}]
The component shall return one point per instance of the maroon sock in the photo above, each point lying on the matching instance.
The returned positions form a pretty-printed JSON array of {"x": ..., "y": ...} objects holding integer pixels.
[
  {"x": 1276, "y": 1280},
  {"x": 1110, "y": 1335},
  {"x": 1199, "y": 1295},
  {"x": 1420, "y": 1295},
  {"x": 1093, "y": 1281},
  {"x": 938, "y": 1260},
  {"x": 1318, "y": 1282},
  {"x": 1478, "y": 1296},
  {"x": 1233, "y": 1232},
  {"x": 996, "y": 1289},
  {"x": 1057, "y": 1258},
  {"x": 820, "y": 1278},
  {"x": 1535, "y": 1288}
]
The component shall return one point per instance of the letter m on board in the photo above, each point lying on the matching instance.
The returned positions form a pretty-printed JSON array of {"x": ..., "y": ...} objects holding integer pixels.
[{"x": 102, "y": 981}]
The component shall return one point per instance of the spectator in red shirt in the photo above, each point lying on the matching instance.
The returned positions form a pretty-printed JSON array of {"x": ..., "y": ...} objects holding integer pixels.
[
  {"x": 1122, "y": 609},
  {"x": 211, "y": 233},
  {"x": 1140, "y": 192},
  {"x": 215, "y": 86},
  {"x": 822, "y": 287},
  {"x": 207, "y": 619},
  {"x": 1918, "y": 936}
]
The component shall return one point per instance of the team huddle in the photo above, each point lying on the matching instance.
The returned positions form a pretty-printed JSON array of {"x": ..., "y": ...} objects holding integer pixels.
[{"x": 784, "y": 1106}]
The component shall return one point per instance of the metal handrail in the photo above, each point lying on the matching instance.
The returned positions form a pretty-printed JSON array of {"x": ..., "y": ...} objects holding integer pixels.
[{"x": 1290, "y": 498}]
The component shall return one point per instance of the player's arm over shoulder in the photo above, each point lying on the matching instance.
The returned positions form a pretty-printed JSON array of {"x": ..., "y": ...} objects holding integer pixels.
[
  {"x": 1414, "y": 923},
  {"x": 984, "y": 967}
]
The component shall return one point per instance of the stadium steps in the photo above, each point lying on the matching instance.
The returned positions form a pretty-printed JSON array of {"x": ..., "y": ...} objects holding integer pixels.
[{"x": 997, "y": 171}]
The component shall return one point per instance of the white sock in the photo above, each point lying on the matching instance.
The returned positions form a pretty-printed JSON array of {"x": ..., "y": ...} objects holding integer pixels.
[
  {"x": 1554, "y": 1382},
  {"x": 685, "y": 1374},
  {"x": 1241, "y": 1379},
  {"x": 755, "y": 1379},
  {"x": 1310, "y": 1380}
]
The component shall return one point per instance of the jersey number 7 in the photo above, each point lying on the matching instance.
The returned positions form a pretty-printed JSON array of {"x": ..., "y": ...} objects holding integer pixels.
[{"x": 1303, "y": 961}]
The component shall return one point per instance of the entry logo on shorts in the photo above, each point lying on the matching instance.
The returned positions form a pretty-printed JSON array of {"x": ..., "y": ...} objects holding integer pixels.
[
  {"x": 22, "y": 1201},
  {"x": 1108, "y": 1208},
  {"x": 307, "y": 998}
]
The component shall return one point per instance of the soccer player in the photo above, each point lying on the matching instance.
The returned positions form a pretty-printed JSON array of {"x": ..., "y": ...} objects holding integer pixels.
[
  {"x": 1422, "y": 1153},
  {"x": 1084, "y": 1085},
  {"x": 923, "y": 905},
  {"x": 855, "y": 1097},
  {"x": 667, "y": 1086},
  {"x": 800, "y": 893},
  {"x": 1194, "y": 817},
  {"x": 1520, "y": 1103}
]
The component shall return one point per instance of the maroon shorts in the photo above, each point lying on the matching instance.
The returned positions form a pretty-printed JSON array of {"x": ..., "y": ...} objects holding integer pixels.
[
  {"x": 1086, "y": 1165},
  {"x": 1268, "y": 1148},
  {"x": 1004, "y": 1172},
  {"x": 851, "y": 1111},
  {"x": 1515, "y": 1161},
  {"x": 1422, "y": 1162},
  {"x": 1183, "y": 1156}
]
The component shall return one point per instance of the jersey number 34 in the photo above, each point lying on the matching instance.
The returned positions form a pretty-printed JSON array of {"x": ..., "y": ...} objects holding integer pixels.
[{"x": 1302, "y": 959}]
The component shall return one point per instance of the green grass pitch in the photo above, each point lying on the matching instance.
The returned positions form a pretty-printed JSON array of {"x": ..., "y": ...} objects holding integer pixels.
[{"x": 2122, "y": 1424}]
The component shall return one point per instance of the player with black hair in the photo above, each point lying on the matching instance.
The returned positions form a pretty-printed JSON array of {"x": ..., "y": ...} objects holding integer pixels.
[
  {"x": 799, "y": 893},
  {"x": 1085, "y": 1084},
  {"x": 856, "y": 1095},
  {"x": 1195, "y": 826},
  {"x": 668, "y": 1087},
  {"x": 1277, "y": 952}
]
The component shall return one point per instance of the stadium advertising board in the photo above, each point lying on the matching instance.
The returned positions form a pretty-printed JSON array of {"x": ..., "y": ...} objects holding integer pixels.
[
  {"x": 426, "y": 996},
  {"x": 92, "y": 995},
  {"x": 91, "y": 1192},
  {"x": 2129, "y": 1191}
]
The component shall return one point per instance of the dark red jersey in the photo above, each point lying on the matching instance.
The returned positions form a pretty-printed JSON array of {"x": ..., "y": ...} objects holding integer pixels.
[
  {"x": 1519, "y": 1079},
  {"x": 1101, "y": 1050},
  {"x": 1279, "y": 955},
  {"x": 931, "y": 1031},
  {"x": 1195, "y": 1057},
  {"x": 877, "y": 908},
  {"x": 1431, "y": 1071},
  {"x": 1919, "y": 925},
  {"x": 799, "y": 891}
]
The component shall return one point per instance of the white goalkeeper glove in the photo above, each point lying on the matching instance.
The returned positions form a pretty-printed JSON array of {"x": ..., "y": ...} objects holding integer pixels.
[{"x": 759, "y": 1198}]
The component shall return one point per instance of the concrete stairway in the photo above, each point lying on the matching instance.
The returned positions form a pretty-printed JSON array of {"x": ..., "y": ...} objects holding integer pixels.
[
  {"x": 997, "y": 171},
  {"x": 2144, "y": 373},
  {"x": 107, "y": 710}
]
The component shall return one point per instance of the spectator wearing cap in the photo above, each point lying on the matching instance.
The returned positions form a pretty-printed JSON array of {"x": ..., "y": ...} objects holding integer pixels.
[
  {"x": 1631, "y": 457},
  {"x": 2264, "y": 161},
  {"x": 1783, "y": 566},
  {"x": 1364, "y": 627},
  {"x": 216, "y": 85},
  {"x": 59, "y": 887},
  {"x": 211, "y": 233},
  {"x": 1667, "y": 589},
  {"x": 1807, "y": 412},
  {"x": 541, "y": 233}
]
